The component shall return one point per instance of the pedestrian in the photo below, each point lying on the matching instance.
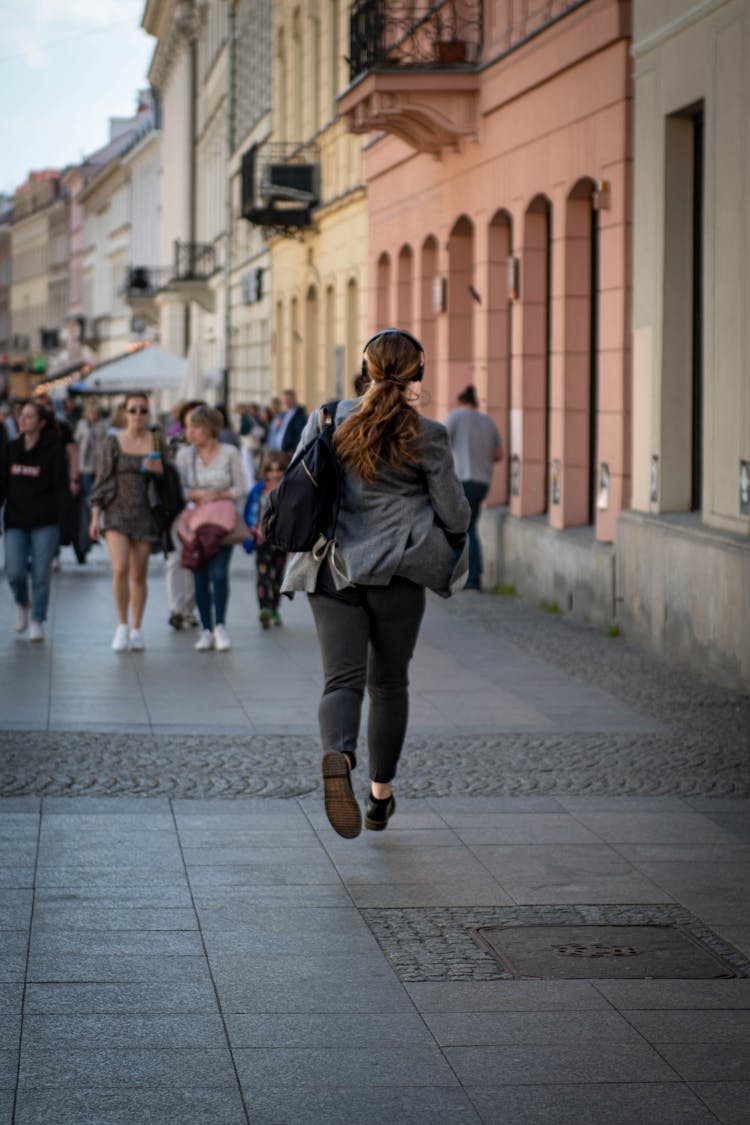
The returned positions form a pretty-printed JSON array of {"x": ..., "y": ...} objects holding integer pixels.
[
  {"x": 400, "y": 521},
  {"x": 211, "y": 470},
  {"x": 34, "y": 487},
  {"x": 88, "y": 435},
  {"x": 120, "y": 494},
  {"x": 178, "y": 579},
  {"x": 227, "y": 435},
  {"x": 476, "y": 445},
  {"x": 287, "y": 425},
  {"x": 270, "y": 561},
  {"x": 70, "y": 449}
]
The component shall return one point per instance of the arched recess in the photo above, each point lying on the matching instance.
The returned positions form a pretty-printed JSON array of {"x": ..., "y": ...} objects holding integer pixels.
[
  {"x": 404, "y": 288},
  {"x": 279, "y": 346},
  {"x": 460, "y": 307},
  {"x": 353, "y": 341},
  {"x": 383, "y": 291},
  {"x": 530, "y": 434},
  {"x": 312, "y": 390},
  {"x": 329, "y": 357},
  {"x": 500, "y": 340},
  {"x": 575, "y": 389},
  {"x": 293, "y": 375},
  {"x": 428, "y": 318}
]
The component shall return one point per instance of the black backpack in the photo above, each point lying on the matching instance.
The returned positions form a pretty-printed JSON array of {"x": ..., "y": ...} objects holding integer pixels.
[{"x": 305, "y": 504}]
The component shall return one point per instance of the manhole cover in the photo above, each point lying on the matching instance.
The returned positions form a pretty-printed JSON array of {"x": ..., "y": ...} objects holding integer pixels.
[{"x": 635, "y": 952}]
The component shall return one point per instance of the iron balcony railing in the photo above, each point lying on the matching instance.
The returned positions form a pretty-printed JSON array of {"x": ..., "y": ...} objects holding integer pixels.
[
  {"x": 440, "y": 36},
  {"x": 194, "y": 261}
]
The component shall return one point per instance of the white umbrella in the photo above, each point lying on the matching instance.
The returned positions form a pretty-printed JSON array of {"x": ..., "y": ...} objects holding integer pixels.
[{"x": 193, "y": 383}]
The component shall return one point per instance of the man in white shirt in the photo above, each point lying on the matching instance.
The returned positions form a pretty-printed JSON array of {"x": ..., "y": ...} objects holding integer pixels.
[{"x": 476, "y": 445}]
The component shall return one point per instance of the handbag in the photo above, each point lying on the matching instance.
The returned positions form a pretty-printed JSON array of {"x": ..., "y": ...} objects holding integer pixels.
[
  {"x": 164, "y": 493},
  {"x": 218, "y": 513}
]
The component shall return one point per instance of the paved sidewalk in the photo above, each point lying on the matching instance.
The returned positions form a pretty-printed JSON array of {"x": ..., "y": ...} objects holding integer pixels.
[{"x": 220, "y": 961}]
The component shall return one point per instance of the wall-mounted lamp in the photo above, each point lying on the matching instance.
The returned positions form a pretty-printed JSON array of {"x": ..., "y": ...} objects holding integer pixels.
[
  {"x": 515, "y": 475},
  {"x": 602, "y": 502},
  {"x": 745, "y": 488},
  {"x": 513, "y": 278},
  {"x": 556, "y": 473},
  {"x": 653, "y": 490},
  {"x": 439, "y": 294},
  {"x": 602, "y": 195}
]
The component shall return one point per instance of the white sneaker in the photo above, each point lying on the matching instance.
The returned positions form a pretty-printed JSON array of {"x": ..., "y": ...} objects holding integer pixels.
[
  {"x": 136, "y": 641},
  {"x": 205, "y": 641},
  {"x": 222, "y": 642},
  {"x": 36, "y": 631},
  {"x": 121, "y": 643},
  {"x": 21, "y": 619}
]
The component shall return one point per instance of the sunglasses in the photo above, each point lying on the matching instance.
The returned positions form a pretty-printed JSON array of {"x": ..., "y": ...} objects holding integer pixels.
[{"x": 136, "y": 410}]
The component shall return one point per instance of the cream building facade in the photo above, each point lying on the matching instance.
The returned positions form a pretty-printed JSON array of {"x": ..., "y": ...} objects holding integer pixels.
[
  {"x": 208, "y": 68},
  {"x": 318, "y": 267},
  {"x": 38, "y": 290},
  {"x": 683, "y": 552},
  {"x": 115, "y": 212}
]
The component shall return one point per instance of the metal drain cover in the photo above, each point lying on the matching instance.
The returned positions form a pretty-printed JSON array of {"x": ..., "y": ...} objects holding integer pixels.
[{"x": 581, "y": 952}]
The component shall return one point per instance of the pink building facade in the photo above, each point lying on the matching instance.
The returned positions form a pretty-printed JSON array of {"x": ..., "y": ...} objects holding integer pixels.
[{"x": 499, "y": 232}]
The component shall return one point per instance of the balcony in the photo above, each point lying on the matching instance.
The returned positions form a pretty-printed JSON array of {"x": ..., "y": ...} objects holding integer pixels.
[
  {"x": 188, "y": 278},
  {"x": 413, "y": 69},
  {"x": 194, "y": 265},
  {"x": 280, "y": 186}
]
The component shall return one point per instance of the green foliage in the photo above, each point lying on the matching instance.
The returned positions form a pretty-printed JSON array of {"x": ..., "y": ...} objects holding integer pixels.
[
  {"x": 504, "y": 591},
  {"x": 613, "y": 631},
  {"x": 551, "y": 607}
]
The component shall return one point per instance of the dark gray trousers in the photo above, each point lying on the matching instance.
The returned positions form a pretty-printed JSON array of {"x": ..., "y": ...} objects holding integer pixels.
[{"x": 367, "y": 636}]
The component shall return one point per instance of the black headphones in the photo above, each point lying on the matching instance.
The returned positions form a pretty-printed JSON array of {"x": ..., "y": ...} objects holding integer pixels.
[{"x": 399, "y": 332}]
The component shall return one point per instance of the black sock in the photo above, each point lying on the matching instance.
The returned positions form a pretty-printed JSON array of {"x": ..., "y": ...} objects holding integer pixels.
[{"x": 379, "y": 800}]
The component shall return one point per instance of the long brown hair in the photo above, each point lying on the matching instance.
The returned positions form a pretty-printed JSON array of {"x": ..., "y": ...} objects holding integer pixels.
[{"x": 384, "y": 430}]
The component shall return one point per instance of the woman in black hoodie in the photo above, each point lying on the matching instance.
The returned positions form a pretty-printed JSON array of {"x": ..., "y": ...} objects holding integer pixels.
[{"x": 34, "y": 486}]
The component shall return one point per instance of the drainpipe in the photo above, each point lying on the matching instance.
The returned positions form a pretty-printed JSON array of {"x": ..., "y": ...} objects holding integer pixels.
[{"x": 229, "y": 221}]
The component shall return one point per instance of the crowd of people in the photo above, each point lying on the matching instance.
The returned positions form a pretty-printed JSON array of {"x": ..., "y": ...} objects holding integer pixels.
[
  {"x": 52, "y": 459},
  {"x": 409, "y": 496}
]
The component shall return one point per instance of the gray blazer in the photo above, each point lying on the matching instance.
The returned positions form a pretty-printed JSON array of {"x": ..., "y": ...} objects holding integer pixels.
[{"x": 393, "y": 527}]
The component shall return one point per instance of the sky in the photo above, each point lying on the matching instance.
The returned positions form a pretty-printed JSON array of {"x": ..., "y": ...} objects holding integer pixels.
[{"x": 66, "y": 67}]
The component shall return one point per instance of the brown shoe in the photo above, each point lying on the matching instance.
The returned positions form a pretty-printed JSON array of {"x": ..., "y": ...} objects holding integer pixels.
[{"x": 342, "y": 807}]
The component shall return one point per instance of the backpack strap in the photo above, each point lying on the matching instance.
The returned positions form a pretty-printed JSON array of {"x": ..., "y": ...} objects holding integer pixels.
[{"x": 327, "y": 413}]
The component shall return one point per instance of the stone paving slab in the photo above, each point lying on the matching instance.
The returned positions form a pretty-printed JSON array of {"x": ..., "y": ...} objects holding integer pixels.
[
  {"x": 612, "y": 1104},
  {"x": 202, "y": 948},
  {"x": 173, "y": 1106}
]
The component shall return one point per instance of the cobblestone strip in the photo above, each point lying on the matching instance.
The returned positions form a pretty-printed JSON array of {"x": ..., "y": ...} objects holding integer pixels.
[
  {"x": 437, "y": 943},
  {"x": 672, "y": 695},
  {"x": 94, "y": 763}
]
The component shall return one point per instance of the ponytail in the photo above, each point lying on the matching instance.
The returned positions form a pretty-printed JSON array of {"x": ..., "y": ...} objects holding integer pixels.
[{"x": 384, "y": 430}]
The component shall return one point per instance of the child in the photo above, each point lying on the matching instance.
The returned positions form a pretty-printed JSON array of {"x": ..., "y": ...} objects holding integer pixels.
[{"x": 270, "y": 560}]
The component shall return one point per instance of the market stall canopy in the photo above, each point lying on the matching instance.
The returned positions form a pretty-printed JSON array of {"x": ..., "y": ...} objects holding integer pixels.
[{"x": 147, "y": 369}]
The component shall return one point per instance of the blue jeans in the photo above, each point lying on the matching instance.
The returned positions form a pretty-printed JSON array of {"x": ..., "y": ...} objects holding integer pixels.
[
  {"x": 475, "y": 494},
  {"x": 35, "y": 546},
  {"x": 212, "y": 588}
]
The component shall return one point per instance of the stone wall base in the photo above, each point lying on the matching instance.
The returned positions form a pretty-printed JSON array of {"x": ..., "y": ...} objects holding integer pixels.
[
  {"x": 565, "y": 568},
  {"x": 684, "y": 589},
  {"x": 670, "y": 583}
]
